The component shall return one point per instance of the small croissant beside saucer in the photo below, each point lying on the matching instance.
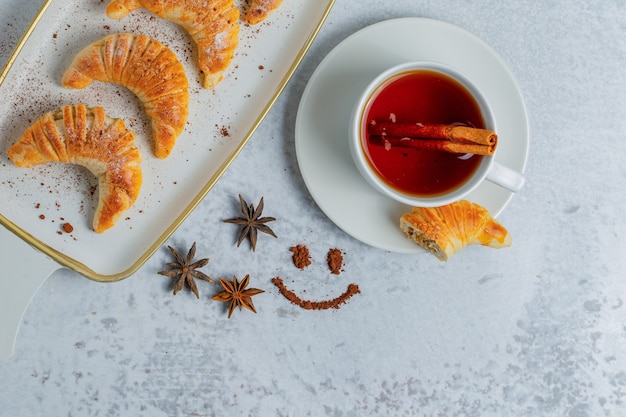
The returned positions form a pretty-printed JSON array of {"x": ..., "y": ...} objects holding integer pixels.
[{"x": 444, "y": 231}]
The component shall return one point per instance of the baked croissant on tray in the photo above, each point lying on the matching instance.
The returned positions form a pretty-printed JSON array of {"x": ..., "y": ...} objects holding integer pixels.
[
  {"x": 212, "y": 24},
  {"x": 87, "y": 137},
  {"x": 444, "y": 231},
  {"x": 147, "y": 68}
]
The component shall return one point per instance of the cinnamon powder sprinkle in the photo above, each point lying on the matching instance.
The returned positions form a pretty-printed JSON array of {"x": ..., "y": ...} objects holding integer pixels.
[
  {"x": 315, "y": 305},
  {"x": 335, "y": 261},
  {"x": 301, "y": 256},
  {"x": 67, "y": 228}
]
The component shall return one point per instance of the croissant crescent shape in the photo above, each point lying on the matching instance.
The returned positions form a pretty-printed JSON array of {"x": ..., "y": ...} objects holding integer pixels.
[
  {"x": 87, "y": 137},
  {"x": 212, "y": 24},
  {"x": 445, "y": 230},
  {"x": 259, "y": 10},
  {"x": 147, "y": 68}
]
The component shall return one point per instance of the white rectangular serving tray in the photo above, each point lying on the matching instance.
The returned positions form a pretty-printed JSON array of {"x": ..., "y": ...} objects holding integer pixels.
[{"x": 35, "y": 202}]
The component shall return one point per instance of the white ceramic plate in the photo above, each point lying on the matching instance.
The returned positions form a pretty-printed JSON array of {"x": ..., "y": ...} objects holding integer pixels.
[{"x": 322, "y": 123}]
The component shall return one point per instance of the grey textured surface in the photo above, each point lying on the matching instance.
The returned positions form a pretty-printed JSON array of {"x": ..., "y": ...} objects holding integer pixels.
[{"x": 538, "y": 329}]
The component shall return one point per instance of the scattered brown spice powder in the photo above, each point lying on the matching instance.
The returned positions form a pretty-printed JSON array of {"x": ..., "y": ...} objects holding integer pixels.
[
  {"x": 335, "y": 261},
  {"x": 315, "y": 305},
  {"x": 301, "y": 256}
]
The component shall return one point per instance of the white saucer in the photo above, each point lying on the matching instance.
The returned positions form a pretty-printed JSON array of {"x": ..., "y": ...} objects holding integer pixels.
[{"x": 321, "y": 135}]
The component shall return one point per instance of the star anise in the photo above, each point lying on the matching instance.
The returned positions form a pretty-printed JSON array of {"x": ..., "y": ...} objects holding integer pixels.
[
  {"x": 186, "y": 270},
  {"x": 236, "y": 294},
  {"x": 252, "y": 222}
]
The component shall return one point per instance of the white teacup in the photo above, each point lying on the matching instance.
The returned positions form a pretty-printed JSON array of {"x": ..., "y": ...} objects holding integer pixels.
[{"x": 488, "y": 169}]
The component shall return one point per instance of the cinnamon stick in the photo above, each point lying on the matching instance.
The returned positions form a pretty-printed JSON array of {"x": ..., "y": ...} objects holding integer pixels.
[
  {"x": 437, "y": 137},
  {"x": 434, "y": 131},
  {"x": 434, "y": 145}
]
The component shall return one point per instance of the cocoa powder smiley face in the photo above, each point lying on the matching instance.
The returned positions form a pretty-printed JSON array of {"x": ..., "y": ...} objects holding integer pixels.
[{"x": 301, "y": 258}]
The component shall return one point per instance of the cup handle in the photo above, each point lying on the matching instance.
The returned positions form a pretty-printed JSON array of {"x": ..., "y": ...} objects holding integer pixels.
[{"x": 506, "y": 177}]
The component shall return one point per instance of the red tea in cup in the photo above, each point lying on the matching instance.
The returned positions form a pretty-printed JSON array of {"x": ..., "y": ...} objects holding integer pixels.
[{"x": 428, "y": 97}]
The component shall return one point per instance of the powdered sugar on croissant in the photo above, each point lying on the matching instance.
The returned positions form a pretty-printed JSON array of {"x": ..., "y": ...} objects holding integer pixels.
[
  {"x": 444, "y": 231},
  {"x": 213, "y": 25},
  {"x": 147, "y": 68},
  {"x": 87, "y": 137}
]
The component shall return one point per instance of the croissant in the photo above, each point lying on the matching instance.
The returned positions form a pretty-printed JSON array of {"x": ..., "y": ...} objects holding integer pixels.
[
  {"x": 259, "y": 10},
  {"x": 212, "y": 24},
  {"x": 87, "y": 137},
  {"x": 147, "y": 68},
  {"x": 443, "y": 231}
]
